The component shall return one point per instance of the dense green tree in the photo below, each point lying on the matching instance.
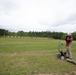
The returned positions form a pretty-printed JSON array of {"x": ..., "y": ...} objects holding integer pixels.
[
  {"x": 20, "y": 33},
  {"x": 74, "y": 35},
  {"x": 3, "y": 32},
  {"x": 55, "y": 35}
]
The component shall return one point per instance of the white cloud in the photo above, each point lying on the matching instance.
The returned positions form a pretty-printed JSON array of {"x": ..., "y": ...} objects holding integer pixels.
[{"x": 38, "y": 15}]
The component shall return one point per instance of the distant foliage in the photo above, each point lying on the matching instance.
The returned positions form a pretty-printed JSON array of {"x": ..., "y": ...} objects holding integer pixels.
[
  {"x": 48, "y": 34},
  {"x": 74, "y": 35},
  {"x": 3, "y": 32}
]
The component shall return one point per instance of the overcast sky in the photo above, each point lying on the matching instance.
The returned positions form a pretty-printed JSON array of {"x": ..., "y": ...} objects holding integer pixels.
[{"x": 38, "y": 15}]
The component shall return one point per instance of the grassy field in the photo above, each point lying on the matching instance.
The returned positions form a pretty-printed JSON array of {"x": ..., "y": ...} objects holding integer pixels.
[{"x": 33, "y": 56}]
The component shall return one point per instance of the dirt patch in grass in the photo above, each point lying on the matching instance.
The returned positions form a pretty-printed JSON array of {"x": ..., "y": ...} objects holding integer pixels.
[
  {"x": 72, "y": 73},
  {"x": 45, "y": 74},
  {"x": 29, "y": 52}
]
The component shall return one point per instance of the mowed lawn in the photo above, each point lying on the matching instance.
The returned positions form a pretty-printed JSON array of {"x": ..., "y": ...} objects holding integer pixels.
[{"x": 34, "y": 56}]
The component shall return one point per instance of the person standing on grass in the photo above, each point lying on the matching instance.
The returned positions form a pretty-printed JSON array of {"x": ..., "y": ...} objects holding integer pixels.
[{"x": 69, "y": 40}]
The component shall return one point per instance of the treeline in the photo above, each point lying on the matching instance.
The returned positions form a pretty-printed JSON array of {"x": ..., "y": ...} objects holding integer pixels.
[
  {"x": 55, "y": 35},
  {"x": 3, "y": 32}
]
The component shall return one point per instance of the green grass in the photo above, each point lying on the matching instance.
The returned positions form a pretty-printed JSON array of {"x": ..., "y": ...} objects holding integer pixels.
[
  {"x": 29, "y": 56},
  {"x": 26, "y": 44}
]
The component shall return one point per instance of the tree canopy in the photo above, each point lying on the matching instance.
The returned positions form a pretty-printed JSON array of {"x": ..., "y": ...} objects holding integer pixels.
[{"x": 55, "y": 35}]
